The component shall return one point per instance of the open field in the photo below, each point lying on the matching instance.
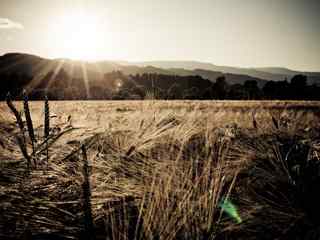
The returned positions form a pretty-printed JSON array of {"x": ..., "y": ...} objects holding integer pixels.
[{"x": 161, "y": 170}]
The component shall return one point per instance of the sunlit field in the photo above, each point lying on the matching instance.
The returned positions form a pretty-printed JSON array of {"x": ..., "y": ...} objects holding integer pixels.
[{"x": 160, "y": 170}]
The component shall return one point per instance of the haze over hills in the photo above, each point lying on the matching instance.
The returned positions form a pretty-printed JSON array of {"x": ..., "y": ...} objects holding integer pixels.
[
  {"x": 266, "y": 73},
  {"x": 35, "y": 66}
]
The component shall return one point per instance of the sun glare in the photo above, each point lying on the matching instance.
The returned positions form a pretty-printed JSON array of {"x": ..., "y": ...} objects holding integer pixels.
[{"x": 79, "y": 36}]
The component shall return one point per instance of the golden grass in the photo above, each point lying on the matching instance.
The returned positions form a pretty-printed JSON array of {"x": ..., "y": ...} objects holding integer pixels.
[{"x": 158, "y": 169}]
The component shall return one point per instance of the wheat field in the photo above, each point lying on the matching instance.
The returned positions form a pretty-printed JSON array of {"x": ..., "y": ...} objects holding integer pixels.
[{"x": 160, "y": 170}]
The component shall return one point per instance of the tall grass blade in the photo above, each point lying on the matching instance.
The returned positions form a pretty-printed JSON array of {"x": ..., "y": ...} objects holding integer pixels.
[
  {"x": 28, "y": 119},
  {"x": 46, "y": 118},
  {"x": 88, "y": 220},
  {"x": 46, "y": 125},
  {"x": 15, "y": 112},
  {"x": 254, "y": 121},
  {"x": 275, "y": 122},
  {"x": 24, "y": 151}
]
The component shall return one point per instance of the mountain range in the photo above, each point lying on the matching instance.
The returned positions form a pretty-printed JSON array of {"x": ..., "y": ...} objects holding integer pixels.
[{"x": 37, "y": 67}]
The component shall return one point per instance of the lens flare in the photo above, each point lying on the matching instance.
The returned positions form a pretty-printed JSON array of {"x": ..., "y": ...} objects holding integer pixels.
[{"x": 228, "y": 207}]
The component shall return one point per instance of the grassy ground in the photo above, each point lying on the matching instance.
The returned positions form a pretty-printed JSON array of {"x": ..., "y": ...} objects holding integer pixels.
[{"x": 162, "y": 170}]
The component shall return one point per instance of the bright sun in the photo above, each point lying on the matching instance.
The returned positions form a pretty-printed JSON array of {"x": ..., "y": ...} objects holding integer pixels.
[{"x": 79, "y": 36}]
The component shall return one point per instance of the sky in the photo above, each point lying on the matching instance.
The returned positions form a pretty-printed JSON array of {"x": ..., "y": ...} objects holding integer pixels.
[{"x": 244, "y": 33}]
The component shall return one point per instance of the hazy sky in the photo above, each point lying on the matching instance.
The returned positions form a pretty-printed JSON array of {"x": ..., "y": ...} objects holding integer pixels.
[{"x": 248, "y": 33}]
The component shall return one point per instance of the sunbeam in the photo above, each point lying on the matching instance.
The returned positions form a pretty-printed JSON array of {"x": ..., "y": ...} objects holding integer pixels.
[
  {"x": 55, "y": 73},
  {"x": 39, "y": 76},
  {"x": 85, "y": 79}
]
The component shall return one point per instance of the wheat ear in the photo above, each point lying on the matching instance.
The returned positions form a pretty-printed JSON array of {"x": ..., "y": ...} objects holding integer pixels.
[{"x": 28, "y": 119}]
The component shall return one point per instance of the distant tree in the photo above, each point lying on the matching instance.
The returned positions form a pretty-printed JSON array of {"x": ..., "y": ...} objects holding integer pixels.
[
  {"x": 97, "y": 93},
  {"x": 191, "y": 93},
  {"x": 252, "y": 89},
  {"x": 174, "y": 92},
  {"x": 299, "y": 81},
  {"x": 282, "y": 90},
  {"x": 121, "y": 95},
  {"x": 219, "y": 88},
  {"x": 270, "y": 90},
  {"x": 298, "y": 86},
  {"x": 237, "y": 92},
  {"x": 207, "y": 93},
  {"x": 159, "y": 93},
  {"x": 138, "y": 90},
  {"x": 126, "y": 83},
  {"x": 313, "y": 92}
]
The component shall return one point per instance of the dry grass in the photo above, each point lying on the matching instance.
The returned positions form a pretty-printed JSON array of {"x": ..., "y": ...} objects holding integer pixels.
[{"x": 161, "y": 170}]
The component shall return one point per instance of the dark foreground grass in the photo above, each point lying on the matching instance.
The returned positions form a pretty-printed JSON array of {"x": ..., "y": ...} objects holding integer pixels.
[{"x": 161, "y": 171}]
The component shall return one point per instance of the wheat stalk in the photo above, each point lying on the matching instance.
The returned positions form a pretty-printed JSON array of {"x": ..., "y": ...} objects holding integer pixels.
[
  {"x": 275, "y": 122},
  {"x": 46, "y": 118},
  {"x": 88, "y": 220},
  {"x": 46, "y": 125},
  {"x": 21, "y": 140},
  {"x": 16, "y": 113},
  {"x": 254, "y": 121},
  {"x": 28, "y": 119},
  {"x": 24, "y": 151}
]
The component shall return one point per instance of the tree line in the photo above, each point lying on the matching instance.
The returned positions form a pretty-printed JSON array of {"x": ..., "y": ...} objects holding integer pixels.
[{"x": 118, "y": 86}]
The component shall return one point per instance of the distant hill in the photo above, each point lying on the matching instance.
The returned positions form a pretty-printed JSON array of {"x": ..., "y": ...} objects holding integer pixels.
[
  {"x": 38, "y": 67},
  {"x": 19, "y": 71},
  {"x": 268, "y": 73},
  {"x": 286, "y": 71},
  {"x": 213, "y": 75}
]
